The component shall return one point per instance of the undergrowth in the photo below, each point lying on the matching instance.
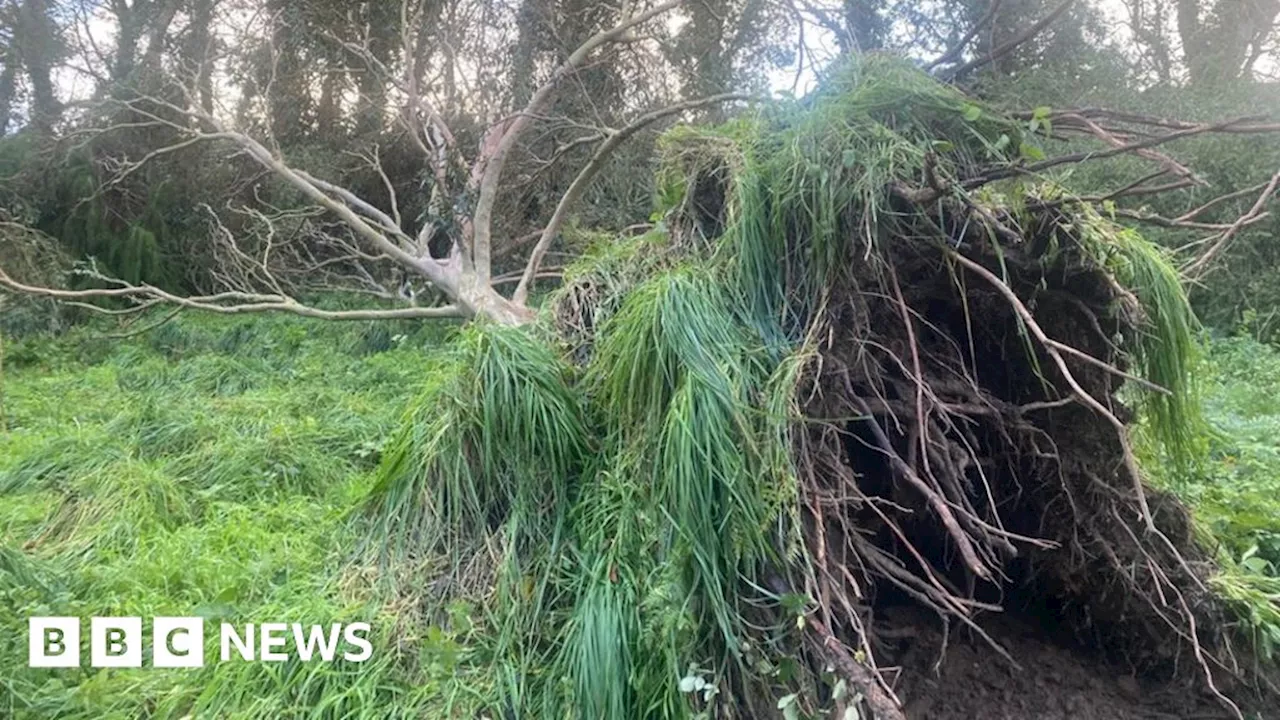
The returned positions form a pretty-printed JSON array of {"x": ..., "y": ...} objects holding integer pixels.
[
  {"x": 138, "y": 480},
  {"x": 1235, "y": 492}
]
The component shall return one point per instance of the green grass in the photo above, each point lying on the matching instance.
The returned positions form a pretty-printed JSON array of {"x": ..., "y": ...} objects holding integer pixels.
[
  {"x": 212, "y": 467},
  {"x": 146, "y": 479}
]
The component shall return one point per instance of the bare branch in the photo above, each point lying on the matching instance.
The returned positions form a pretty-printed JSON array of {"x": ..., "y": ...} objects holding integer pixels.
[
  {"x": 589, "y": 172},
  {"x": 494, "y": 155},
  {"x": 1009, "y": 46},
  {"x": 1196, "y": 268},
  {"x": 957, "y": 50},
  {"x": 225, "y": 303}
]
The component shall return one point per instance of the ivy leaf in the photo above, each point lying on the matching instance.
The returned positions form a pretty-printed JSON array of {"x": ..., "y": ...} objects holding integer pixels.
[
  {"x": 787, "y": 704},
  {"x": 1256, "y": 565},
  {"x": 1030, "y": 152}
]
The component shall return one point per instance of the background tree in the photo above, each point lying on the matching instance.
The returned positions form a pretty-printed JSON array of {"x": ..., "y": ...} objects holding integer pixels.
[{"x": 392, "y": 104}]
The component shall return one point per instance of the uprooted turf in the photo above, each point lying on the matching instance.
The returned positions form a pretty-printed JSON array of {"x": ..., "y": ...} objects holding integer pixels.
[{"x": 830, "y": 382}]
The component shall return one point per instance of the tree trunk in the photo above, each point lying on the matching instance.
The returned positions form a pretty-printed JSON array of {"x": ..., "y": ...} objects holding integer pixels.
[
  {"x": 197, "y": 51},
  {"x": 159, "y": 27},
  {"x": 1217, "y": 41},
  {"x": 382, "y": 21},
  {"x": 38, "y": 48},
  {"x": 530, "y": 31},
  {"x": 128, "y": 31},
  {"x": 8, "y": 85},
  {"x": 865, "y": 25},
  {"x": 288, "y": 102}
]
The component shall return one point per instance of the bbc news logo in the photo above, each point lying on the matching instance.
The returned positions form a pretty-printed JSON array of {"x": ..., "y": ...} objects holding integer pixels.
[{"x": 178, "y": 642}]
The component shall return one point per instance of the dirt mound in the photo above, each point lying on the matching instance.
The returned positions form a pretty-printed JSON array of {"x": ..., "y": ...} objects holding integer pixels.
[{"x": 953, "y": 675}]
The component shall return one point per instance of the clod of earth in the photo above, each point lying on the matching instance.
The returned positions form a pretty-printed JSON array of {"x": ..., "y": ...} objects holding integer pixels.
[{"x": 830, "y": 384}]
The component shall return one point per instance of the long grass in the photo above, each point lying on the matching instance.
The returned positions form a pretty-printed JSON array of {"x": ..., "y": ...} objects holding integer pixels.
[{"x": 215, "y": 470}]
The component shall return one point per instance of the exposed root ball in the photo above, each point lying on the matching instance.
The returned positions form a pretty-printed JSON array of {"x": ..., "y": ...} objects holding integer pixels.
[{"x": 831, "y": 384}]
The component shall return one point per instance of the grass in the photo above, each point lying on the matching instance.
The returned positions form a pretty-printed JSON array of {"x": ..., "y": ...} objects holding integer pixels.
[
  {"x": 210, "y": 468},
  {"x": 143, "y": 480}
]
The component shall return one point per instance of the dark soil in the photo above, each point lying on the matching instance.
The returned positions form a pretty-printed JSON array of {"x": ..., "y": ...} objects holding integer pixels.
[{"x": 1056, "y": 681}]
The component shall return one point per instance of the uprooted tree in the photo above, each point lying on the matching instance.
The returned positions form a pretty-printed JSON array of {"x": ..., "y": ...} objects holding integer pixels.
[
  {"x": 871, "y": 349},
  {"x": 853, "y": 363}
]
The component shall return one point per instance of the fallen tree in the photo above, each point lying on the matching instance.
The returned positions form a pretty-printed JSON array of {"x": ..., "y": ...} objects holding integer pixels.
[{"x": 841, "y": 375}]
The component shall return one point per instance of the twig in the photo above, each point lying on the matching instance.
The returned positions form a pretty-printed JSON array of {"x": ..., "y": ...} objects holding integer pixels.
[
  {"x": 1196, "y": 268},
  {"x": 1009, "y": 46}
]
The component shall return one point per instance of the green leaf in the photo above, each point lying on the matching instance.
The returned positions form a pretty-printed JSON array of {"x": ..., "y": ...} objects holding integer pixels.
[
  {"x": 972, "y": 113},
  {"x": 1256, "y": 565},
  {"x": 1030, "y": 152},
  {"x": 786, "y": 701},
  {"x": 1002, "y": 143},
  {"x": 850, "y": 158},
  {"x": 943, "y": 145},
  {"x": 1041, "y": 112}
]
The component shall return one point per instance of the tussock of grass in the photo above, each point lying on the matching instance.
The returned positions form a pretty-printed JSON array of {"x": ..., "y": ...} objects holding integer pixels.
[
  {"x": 1166, "y": 350},
  {"x": 495, "y": 438}
]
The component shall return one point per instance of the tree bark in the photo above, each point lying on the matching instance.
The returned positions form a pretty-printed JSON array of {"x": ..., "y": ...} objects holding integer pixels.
[
  {"x": 287, "y": 99},
  {"x": 1217, "y": 40},
  {"x": 8, "y": 85},
  {"x": 197, "y": 51},
  {"x": 128, "y": 32},
  {"x": 38, "y": 48},
  {"x": 865, "y": 25},
  {"x": 383, "y": 29}
]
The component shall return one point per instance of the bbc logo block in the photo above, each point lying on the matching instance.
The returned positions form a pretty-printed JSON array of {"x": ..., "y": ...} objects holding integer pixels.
[
  {"x": 115, "y": 642},
  {"x": 178, "y": 642},
  {"x": 53, "y": 642}
]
